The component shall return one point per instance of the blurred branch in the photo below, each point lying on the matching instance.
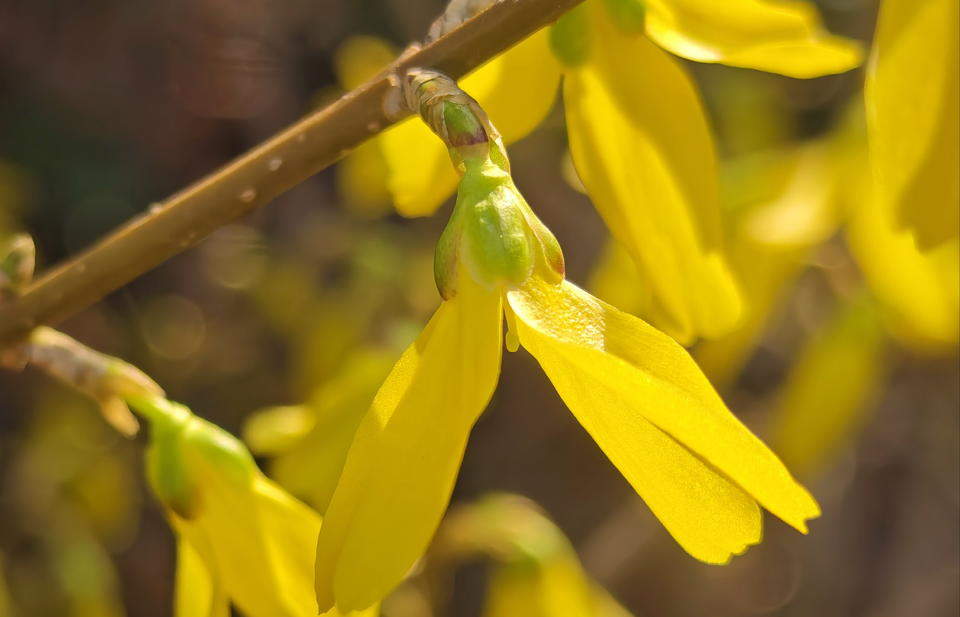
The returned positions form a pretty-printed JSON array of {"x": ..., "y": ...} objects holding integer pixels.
[{"x": 255, "y": 178}]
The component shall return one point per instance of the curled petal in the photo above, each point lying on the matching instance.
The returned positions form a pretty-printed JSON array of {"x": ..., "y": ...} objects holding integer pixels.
[
  {"x": 779, "y": 37},
  {"x": 657, "y": 418}
]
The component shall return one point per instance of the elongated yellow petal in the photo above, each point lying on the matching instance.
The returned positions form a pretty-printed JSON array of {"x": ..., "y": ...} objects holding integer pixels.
[
  {"x": 920, "y": 290},
  {"x": 771, "y": 241},
  {"x": 262, "y": 526},
  {"x": 913, "y": 108},
  {"x": 829, "y": 387},
  {"x": 652, "y": 411},
  {"x": 198, "y": 592},
  {"x": 640, "y": 142},
  {"x": 361, "y": 176},
  {"x": 780, "y": 37},
  {"x": 401, "y": 468},
  {"x": 311, "y": 468},
  {"x": 516, "y": 89},
  {"x": 557, "y": 588}
]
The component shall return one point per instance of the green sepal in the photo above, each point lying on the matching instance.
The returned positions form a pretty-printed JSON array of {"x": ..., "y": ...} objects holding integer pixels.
[
  {"x": 629, "y": 15},
  {"x": 570, "y": 37},
  {"x": 167, "y": 471},
  {"x": 446, "y": 257},
  {"x": 550, "y": 264},
  {"x": 215, "y": 452},
  {"x": 497, "y": 246}
]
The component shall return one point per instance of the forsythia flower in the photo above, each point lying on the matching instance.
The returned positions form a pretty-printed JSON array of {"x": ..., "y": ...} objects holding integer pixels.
[
  {"x": 635, "y": 390},
  {"x": 771, "y": 244},
  {"x": 638, "y": 132},
  {"x": 536, "y": 571},
  {"x": 309, "y": 443},
  {"x": 913, "y": 105},
  {"x": 918, "y": 290},
  {"x": 830, "y": 385},
  {"x": 241, "y": 539}
]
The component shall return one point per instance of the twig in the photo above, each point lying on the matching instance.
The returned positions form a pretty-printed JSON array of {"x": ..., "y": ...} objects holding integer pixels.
[{"x": 260, "y": 175}]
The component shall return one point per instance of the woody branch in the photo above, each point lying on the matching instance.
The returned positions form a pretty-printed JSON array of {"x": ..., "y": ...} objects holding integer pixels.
[{"x": 260, "y": 175}]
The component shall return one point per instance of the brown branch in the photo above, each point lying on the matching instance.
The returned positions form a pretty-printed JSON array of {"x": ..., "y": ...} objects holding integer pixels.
[{"x": 253, "y": 179}]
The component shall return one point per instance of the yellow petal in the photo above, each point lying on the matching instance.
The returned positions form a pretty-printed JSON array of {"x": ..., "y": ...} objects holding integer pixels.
[
  {"x": 654, "y": 414},
  {"x": 771, "y": 242},
  {"x": 558, "y": 588},
  {"x": 641, "y": 144},
  {"x": 401, "y": 468},
  {"x": 913, "y": 108},
  {"x": 198, "y": 593},
  {"x": 361, "y": 57},
  {"x": 516, "y": 89},
  {"x": 311, "y": 469},
  {"x": 920, "y": 290},
  {"x": 774, "y": 36},
  {"x": 261, "y": 525},
  {"x": 361, "y": 176},
  {"x": 828, "y": 389}
]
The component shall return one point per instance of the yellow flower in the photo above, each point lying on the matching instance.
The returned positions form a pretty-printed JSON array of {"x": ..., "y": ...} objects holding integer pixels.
[
  {"x": 241, "y": 540},
  {"x": 310, "y": 442},
  {"x": 771, "y": 245},
  {"x": 830, "y": 386},
  {"x": 638, "y": 132},
  {"x": 536, "y": 571},
  {"x": 918, "y": 289},
  {"x": 913, "y": 108},
  {"x": 635, "y": 390}
]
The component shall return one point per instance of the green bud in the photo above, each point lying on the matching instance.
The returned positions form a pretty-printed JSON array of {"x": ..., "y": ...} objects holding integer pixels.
[
  {"x": 188, "y": 455},
  {"x": 628, "y": 15},
  {"x": 461, "y": 126},
  {"x": 497, "y": 243},
  {"x": 167, "y": 471},
  {"x": 570, "y": 37},
  {"x": 216, "y": 454},
  {"x": 445, "y": 258},
  {"x": 495, "y": 235}
]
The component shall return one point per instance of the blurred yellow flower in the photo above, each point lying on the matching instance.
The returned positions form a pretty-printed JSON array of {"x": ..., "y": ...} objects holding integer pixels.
[
  {"x": 536, "y": 571},
  {"x": 913, "y": 105},
  {"x": 241, "y": 539},
  {"x": 639, "y": 135},
  {"x": 309, "y": 443},
  {"x": 830, "y": 386},
  {"x": 635, "y": 390},
  {"x": 918, "y": 289},
  {"x": 771, "y": 242}
]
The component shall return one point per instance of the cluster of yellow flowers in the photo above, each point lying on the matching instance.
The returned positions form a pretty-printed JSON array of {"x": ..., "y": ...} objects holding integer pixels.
[
  {"x": 641, "y": 145},
  {"x": 379, "y": 476}
]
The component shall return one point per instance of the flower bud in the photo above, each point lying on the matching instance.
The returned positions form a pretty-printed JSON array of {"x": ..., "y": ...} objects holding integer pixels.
[
  {"x": 216, "y": 455},
  {"x": 189, "y": 457},
  {"x": 495, "y": 235},
  {"x": 167, "y": 472}
]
